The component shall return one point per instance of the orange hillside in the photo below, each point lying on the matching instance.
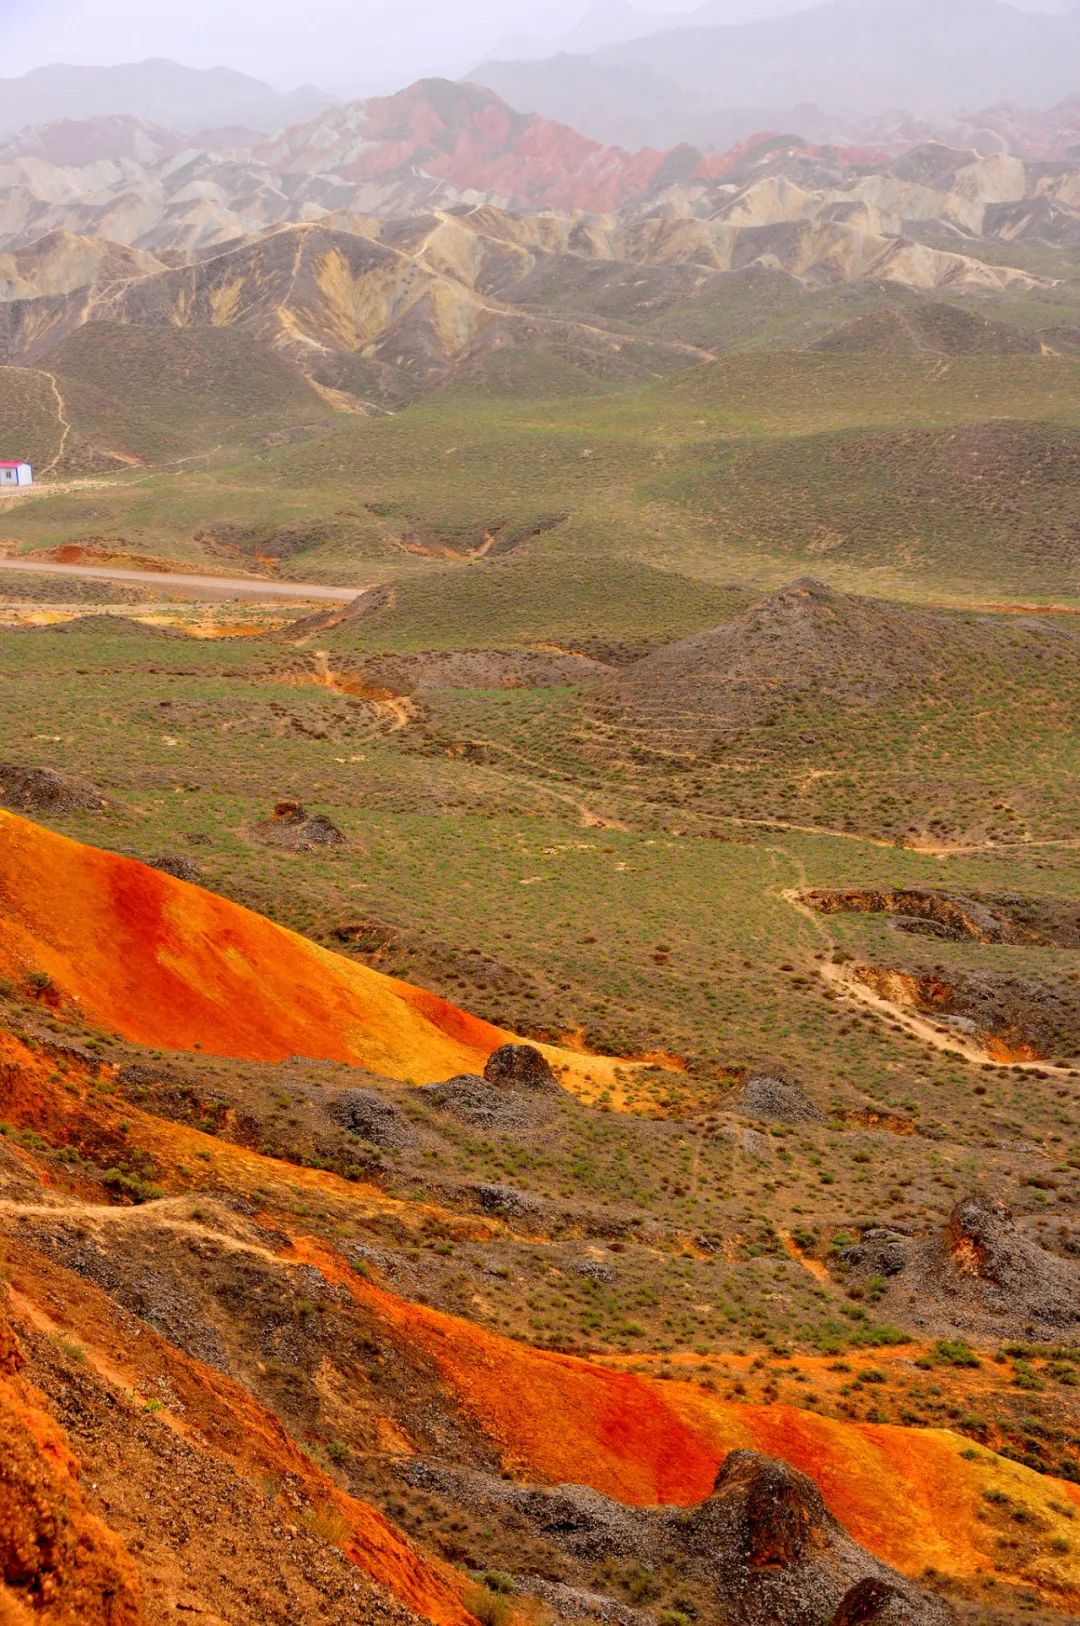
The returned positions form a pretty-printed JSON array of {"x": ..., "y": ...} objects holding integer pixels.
[
  {"x": 913, "y": 1496},
  {"x": 169, "y": 965}
]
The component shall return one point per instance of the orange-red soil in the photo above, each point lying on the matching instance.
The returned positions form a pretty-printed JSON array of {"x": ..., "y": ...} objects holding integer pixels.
[
  {"x": 59, "y": 1564},
  {"x": 907, "y": 1494},
  {"x": 217, "y": 1415},
  {"x": 185, "y": 1159},
  {"x": 167, "y": 964},
  {"x": 910, "y": 1495}
]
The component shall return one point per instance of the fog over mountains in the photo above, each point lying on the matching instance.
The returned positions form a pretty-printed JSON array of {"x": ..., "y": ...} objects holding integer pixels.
[
  {"x": 637, "y": 76},
  {"x": 162, "y": 92},
  {"x": 714, "y": 82}
]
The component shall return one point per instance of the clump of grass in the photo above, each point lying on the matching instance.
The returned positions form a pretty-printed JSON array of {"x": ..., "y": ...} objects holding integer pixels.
[{"x": 327, "y": 1523}]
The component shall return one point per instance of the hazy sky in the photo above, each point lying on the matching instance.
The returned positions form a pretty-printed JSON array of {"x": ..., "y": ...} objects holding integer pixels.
[
  {"x": 343, "y": 45},
  {"x": 348, "y": 47}
]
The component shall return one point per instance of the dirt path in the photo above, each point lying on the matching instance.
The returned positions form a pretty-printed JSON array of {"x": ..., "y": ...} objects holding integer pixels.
[
  {"x": 398, "y": 709},
  {"x": 193, "y": 585},
  {"x": 928, "y": 849},
  {"x": 62, "y": 418},
  {"x": 923, "y": 1027},
  {"x": 848, "y": 985},
  {"x": 167, "y": 1214},
  {"x": 812, "y": 1266}
]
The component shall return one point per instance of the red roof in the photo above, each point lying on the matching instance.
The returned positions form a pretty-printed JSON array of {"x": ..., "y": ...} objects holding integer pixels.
[{"x": 12, "y": 462}]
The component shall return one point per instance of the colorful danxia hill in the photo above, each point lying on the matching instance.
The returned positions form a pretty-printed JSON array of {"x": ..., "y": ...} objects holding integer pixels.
[
  {"x": 106, "y": 946},
  {"x": 539, "y": 879}
]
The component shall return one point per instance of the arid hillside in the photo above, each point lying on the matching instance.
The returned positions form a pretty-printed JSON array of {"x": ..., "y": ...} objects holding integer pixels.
[
  {"x": 214, "y": 1338},
  {"x": 539, "y": 872},
  {"x": 437, "y": 237},
  {"x": 219, "y": 979}
]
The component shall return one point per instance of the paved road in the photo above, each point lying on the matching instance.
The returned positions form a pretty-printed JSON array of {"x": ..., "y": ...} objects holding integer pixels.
[{"x": 190, "y": 586}]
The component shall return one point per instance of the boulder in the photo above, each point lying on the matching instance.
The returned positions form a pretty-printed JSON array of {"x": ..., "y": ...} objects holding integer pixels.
[
  {"x": 520, "y": 1067},
  {"x": 876, "y": 1602},
  {"x": 366, "y": 1114},
  {"x": 178, "y": 866}
]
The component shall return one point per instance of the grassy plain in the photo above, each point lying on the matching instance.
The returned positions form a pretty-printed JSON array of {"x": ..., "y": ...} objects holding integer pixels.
[
  {"x": 495, "y": 853},
  {"x": 912, "y": 476}
]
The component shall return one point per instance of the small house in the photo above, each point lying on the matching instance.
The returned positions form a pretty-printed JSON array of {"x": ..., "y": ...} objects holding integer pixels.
[{"x": 15, "y": 474}]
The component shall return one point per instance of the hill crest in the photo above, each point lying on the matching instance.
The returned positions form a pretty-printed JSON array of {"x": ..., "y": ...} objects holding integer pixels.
[{"x": 165, "y": 963}]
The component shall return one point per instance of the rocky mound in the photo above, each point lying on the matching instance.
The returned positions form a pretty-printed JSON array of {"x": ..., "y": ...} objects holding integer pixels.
[
  {"x": 981, "y": 1272},
  {"x": 292, "y": 826},
  {"x": 47, "y": 790},
  {"x": 472, "y": 1100},
  {"x": 929, "y": 329},
  {"x": 371, "y": 1117},
  {"x": 761, "y": 1550},
  {"x": 805, "y": 645},
  {"x": 776, "y": 1100},
  {"x": 766, "y": 1540},
  {"x": 516, "y": 1094}
]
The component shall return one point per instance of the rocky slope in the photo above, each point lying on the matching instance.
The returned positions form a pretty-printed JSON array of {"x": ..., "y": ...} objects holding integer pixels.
[{"x": 228, "y": 1390}]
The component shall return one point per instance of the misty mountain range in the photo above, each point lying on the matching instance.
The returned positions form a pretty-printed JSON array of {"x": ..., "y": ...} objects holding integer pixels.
[
  {"x": 633, "y": 78},
  {"x": 713, "y": 84},
  {"x": 164, "y": 93}
]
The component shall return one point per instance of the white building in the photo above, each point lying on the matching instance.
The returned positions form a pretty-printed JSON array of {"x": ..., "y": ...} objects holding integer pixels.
[{"x": 15, "y": 474}]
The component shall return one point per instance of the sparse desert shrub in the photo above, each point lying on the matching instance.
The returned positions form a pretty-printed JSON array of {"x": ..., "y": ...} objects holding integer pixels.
[
  {"x": 131, "y": 1187},
  {"x": 490, "y": 1608},
  {"x": 955, "y": 1351},
  {"x": 327, "y": 1523}
]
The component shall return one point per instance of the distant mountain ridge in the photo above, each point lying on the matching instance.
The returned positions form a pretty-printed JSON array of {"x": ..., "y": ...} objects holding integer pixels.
[
  {"x": 855, "y": 58},
  {"x": 384, "y": 249},
  {"x": 436, "y": 144},
  {"x": 159, "y": 91},
  {"x": 443, "y": 145}
]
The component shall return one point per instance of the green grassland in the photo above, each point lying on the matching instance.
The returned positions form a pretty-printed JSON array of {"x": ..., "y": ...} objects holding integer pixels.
[
  {"x": 498, "y": 870},
  {"x": 526, "y": 854},
  {"x": 151, "y": 395},
  {"x": 908, "y": 476},
  {"x": 164, "y": 392},
  {"x": 556, "y": 901},
  {"x": 536, "y": 597},
  {"x": 28, "y": 418}
]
